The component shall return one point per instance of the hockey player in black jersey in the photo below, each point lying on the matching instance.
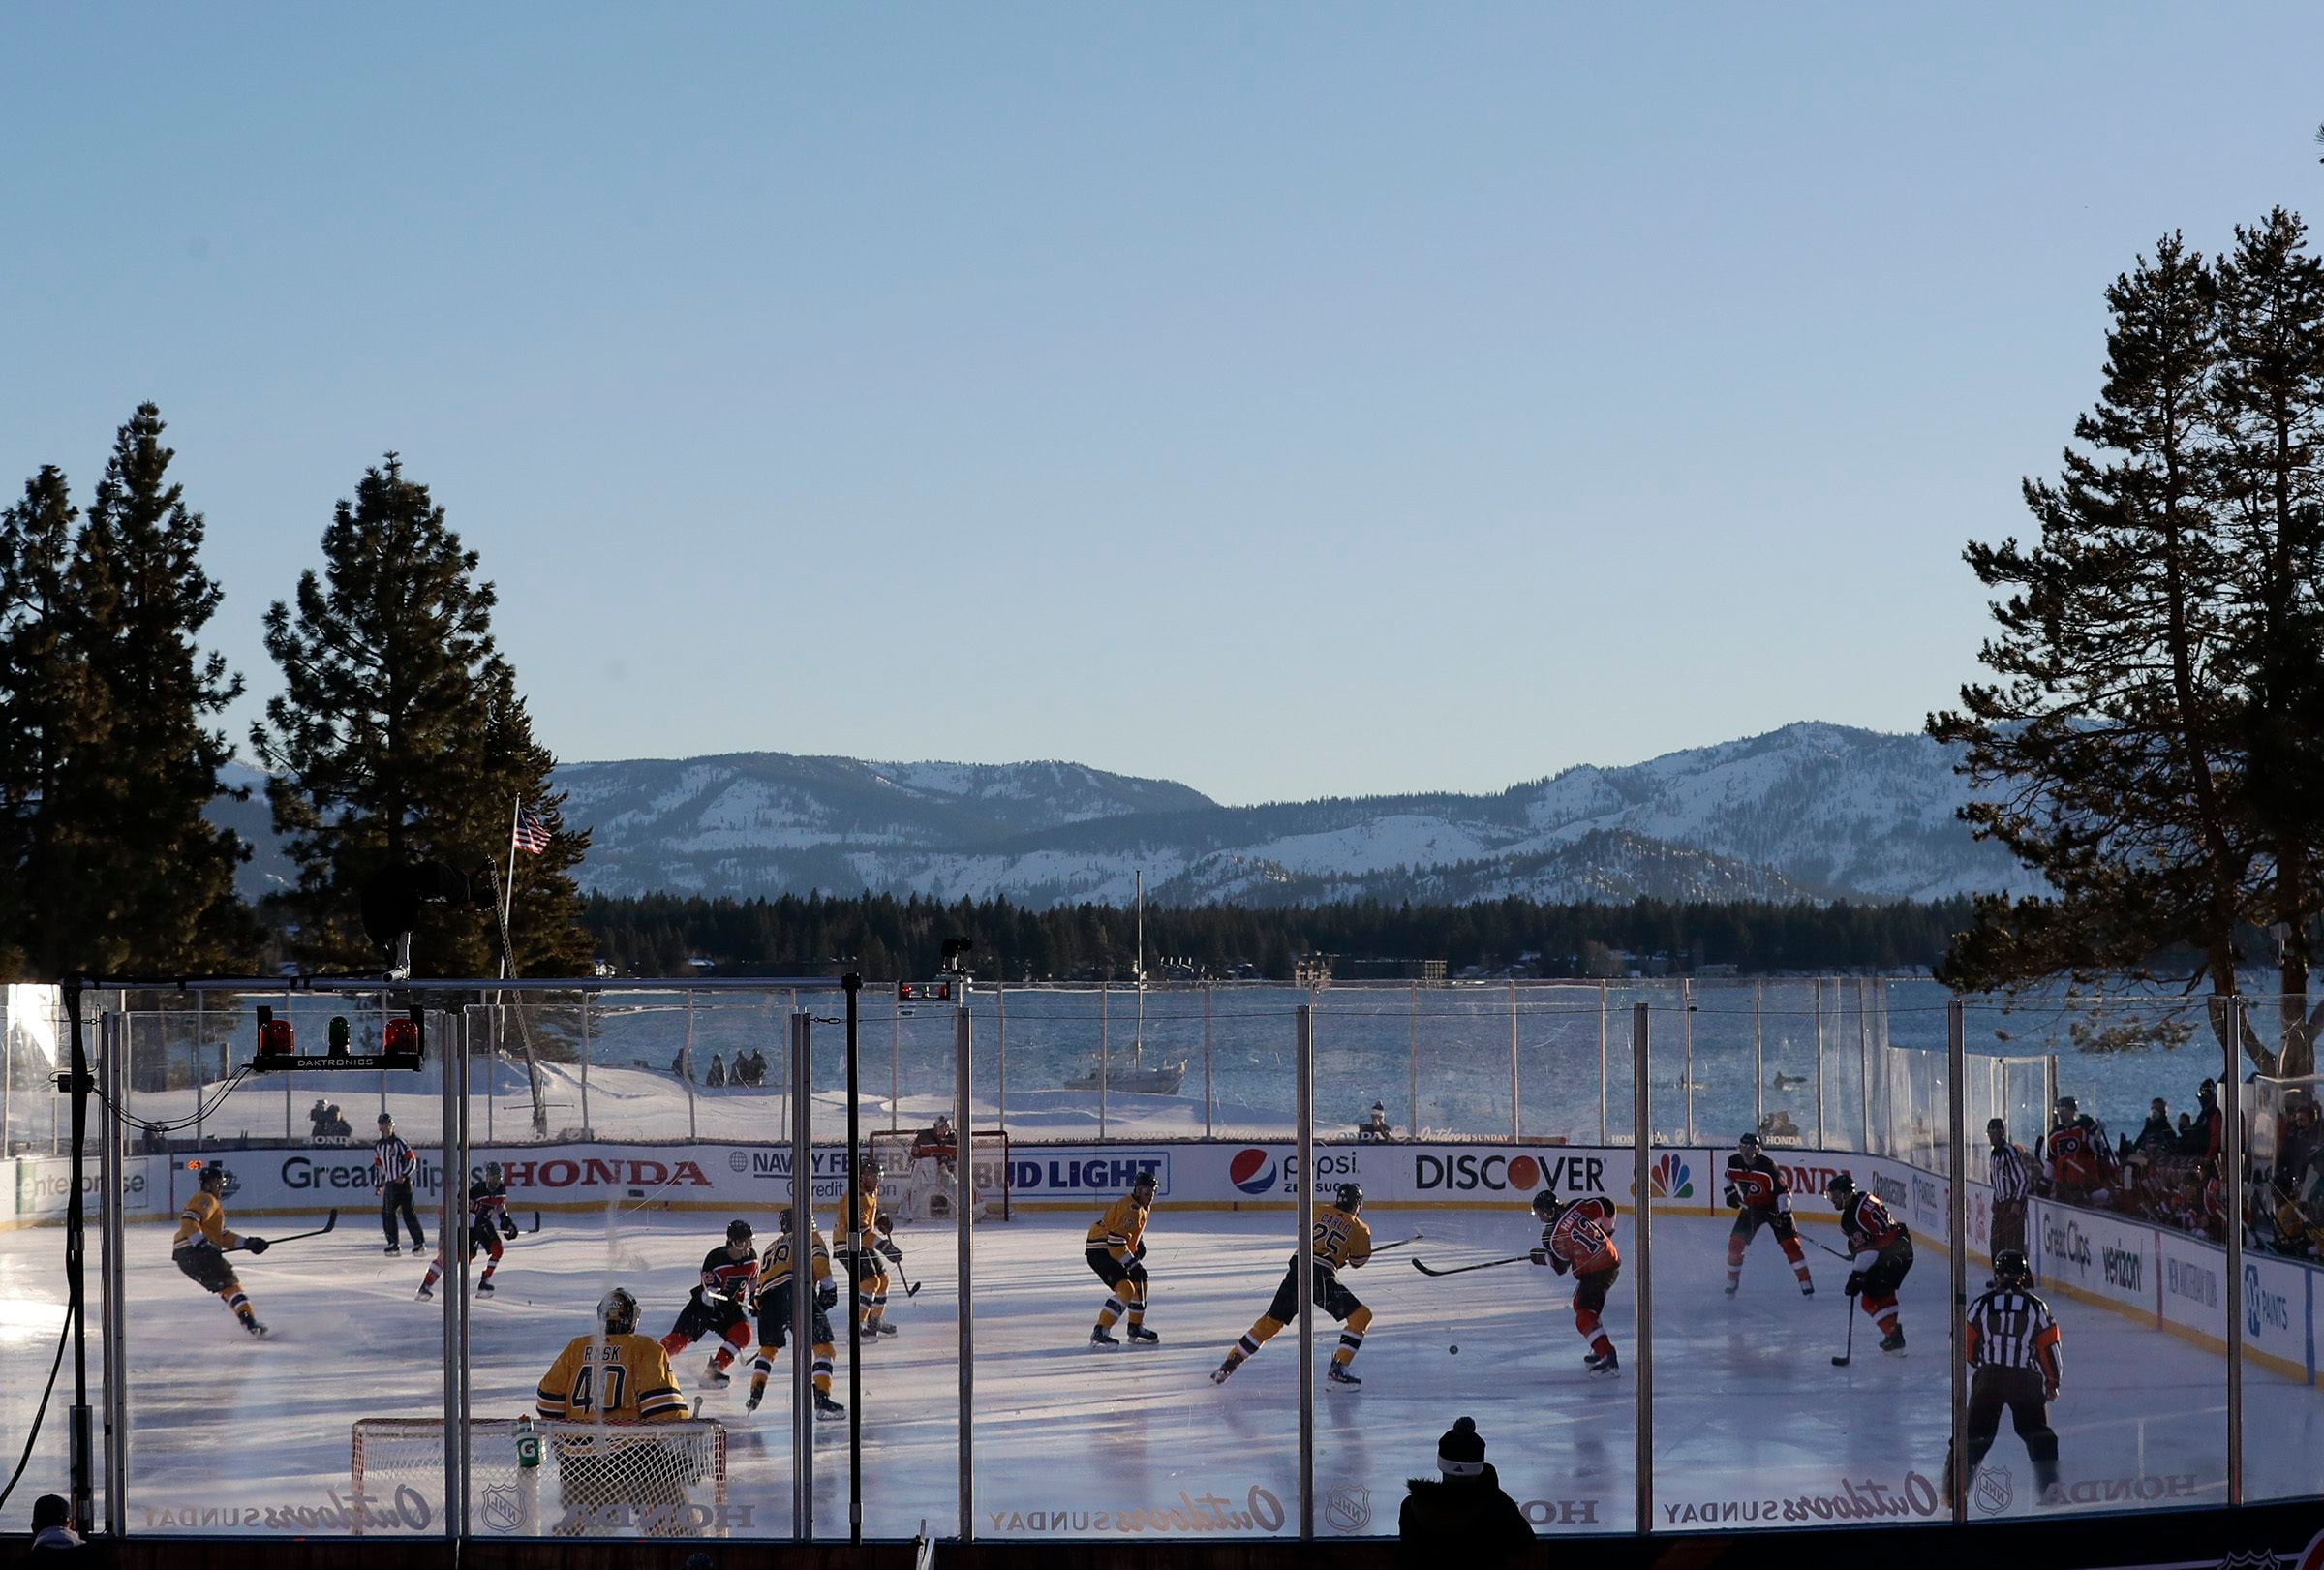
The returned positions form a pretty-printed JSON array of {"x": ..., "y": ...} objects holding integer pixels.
[
  {"x": 2012, "y": 1346},
  {"x": 722, "y": 1302},
  {"x": 488, "y": 1223},
  {"x": 1762, "y": 1195}
]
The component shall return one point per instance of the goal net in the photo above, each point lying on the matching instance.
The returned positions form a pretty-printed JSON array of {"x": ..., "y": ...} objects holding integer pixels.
[
  {"x": 922, "y": 1187},
  {"x": 586, "y": 1480}
]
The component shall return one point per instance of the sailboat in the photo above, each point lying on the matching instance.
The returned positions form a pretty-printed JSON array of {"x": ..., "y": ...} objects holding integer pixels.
[{"x": 1134, "y": 1077}]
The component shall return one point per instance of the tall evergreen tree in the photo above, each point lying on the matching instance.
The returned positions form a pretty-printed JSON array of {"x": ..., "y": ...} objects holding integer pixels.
[
  {"x": 52, "y": 714},
  {"x": 2267, "y": 408},
  {"x": 155, "y": 878},
  {"x": 2106, "y": 753},
  {"x": 398, "y": 738}
]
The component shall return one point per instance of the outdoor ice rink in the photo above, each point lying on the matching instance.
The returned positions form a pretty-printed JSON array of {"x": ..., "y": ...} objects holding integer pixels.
[{"x": 1753, "y": 1423}]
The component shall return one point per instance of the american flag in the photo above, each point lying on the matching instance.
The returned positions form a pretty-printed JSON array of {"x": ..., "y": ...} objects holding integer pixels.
[{"x": 532, "y": 833}]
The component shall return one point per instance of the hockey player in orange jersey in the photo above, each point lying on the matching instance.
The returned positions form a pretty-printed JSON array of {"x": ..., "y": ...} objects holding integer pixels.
[{"x": 1580, "y": 1237}]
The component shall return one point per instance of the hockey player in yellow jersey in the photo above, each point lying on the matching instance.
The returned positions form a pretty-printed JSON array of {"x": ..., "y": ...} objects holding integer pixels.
[
  {"x": 775, "y": 1313},
  {"x": 1117, "y": 1252},
  {"x": 864, "y": 1246},
  {"x": 615, "y": 1378},
  {"x": 1340, "y": 1242},
  {"x": 200, "y": 1247}
]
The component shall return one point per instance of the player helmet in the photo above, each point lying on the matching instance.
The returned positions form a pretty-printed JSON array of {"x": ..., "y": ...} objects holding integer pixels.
[
  {"x": 739, "y": 1233},
  {"x": 1142, "y": 1183},
  {"x": 1349, "y": 1196},
  {"x": 1749, "y": 1142},
  {"x": 2068, "y": 1106},
  {"x": 496, "y": 1178},
  {"x": 1547, "y": 1205},
  {"x": 386, "y": 1120},
  {"x": 213, "y": 1176},
  {"x": 2010, "y": 1267},
  {"x": 782, "y": 1219},
  {"x": 617, "y": 1311},
  {"x": 1839, "y": 1188}
]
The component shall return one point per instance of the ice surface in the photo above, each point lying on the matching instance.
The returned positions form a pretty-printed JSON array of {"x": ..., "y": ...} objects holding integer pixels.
[{"x": 1750, "y": 1413}]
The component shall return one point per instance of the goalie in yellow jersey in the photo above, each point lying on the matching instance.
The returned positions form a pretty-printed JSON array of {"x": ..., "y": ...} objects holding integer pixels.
[
  {"x": 1117, "y": 1252},
  {"x": 200, "y": 1247},
  {"x": 618, "y": 1380},
  {"x": 1341, "y": 1242}
]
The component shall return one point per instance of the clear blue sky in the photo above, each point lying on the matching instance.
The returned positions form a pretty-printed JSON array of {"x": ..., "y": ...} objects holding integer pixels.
[{"x": 1284, "y": 399}]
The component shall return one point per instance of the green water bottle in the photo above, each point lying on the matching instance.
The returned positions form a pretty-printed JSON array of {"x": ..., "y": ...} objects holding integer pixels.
[{"x": 528, "y": 1443}]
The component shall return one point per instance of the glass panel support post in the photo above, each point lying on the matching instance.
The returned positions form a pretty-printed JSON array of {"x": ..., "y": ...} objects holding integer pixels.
[
  {"x": 1821, "y": 1143},
  {"x": 964, "y": 1203},
  {"x": 113, "y": 1271},
  {"x": 1956, "y": 1223},
  {"x": 1641, "y": 1189},
  {"x": 1516, "y": 1122},
  {"x": 1303, "y": 1261},
  {"x": 451, "y": 1225},
  {"x": 803, "y": 1210},
  {"x": 2231, "y": 1150},
  {"x": 1759, "y": 1056}
]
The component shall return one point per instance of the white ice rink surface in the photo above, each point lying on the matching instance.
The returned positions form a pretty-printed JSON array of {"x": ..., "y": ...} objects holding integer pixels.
[{"x": 1753, "y": 1422}]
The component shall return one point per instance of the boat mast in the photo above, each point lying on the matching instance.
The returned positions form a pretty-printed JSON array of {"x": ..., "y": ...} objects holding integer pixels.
[{"x": 1138, "y": 1040}]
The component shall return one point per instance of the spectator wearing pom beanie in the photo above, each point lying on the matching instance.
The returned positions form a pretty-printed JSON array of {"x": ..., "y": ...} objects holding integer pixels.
[{"x": 1463, "y": 1511}]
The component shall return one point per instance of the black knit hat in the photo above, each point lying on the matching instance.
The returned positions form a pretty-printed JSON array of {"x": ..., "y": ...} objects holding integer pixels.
[{"x": 1461, "y": 1453}]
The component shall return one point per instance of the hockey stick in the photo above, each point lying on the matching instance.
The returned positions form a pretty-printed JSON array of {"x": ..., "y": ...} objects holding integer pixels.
[
  {"x": 911, "y": 1288},
  {"x": 1427, "y": 1269},
  {"x": 1850, "y": 1350},
  {"x": 329, "y": 1221},
  {"x": 1383, "y": 1247}
]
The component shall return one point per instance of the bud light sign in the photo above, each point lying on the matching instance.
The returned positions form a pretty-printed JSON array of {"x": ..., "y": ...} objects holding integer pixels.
[{"x": 1080, "y": 1175}]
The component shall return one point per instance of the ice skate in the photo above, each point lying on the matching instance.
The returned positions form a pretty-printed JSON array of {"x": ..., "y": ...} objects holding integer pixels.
[
  {"x": 1610, "y": 1363},
  {"x": 1101, "y": 1337},
  {"x": 713, "y": 1374},
  {"x": 1140, "y": 1336},
  {"x": 827, "y": 1410},
  {"x": 1339, "y": 1376}
]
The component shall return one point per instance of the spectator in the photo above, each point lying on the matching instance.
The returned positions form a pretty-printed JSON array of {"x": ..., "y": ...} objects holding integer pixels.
[
  {"x": 2158, "y": 1137},
  {"x": 52, "y": 1523},
  {"x": 318, "y": 1120},
  {"x": 1462, "y": 1516},
  {"x": 2202, "y": 1139},
  {"x": 1376, "y": 1126},
  {"x": 716, "y": 1079},
  {"x": 2298, "y": 1142},
  {"x": 341, "y": 1128},
  {"x": 751, "y": 1068},
  {"x": 2186, "y": 1126},
  {"x": 680, "y": 1066}
]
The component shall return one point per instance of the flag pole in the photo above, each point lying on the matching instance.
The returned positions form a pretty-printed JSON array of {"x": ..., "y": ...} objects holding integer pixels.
[{"x": 516, "y": 808}]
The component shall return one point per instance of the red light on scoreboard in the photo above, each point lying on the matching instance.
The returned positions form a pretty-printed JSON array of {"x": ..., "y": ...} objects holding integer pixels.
[
  {"x": 402, "y": 1039},
  {"x": 924, "y": 991},
  {"x": 275, "y": 1036}
]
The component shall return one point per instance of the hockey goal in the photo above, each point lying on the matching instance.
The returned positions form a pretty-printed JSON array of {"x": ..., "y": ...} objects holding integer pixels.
[
  {"x": 589, "y": 1480},
  {"x": 923, "y": 1189}
]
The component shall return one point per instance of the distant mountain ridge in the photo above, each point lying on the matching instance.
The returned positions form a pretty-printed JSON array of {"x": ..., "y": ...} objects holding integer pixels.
[{"x": 1811, "y": 811}]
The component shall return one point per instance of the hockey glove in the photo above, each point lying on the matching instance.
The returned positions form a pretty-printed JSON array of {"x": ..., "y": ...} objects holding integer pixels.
[
  {"x": 827, "y": 1295},
  {"x": 257, "y": 1245},
  {"x": 1856, "y": 1283},
  {"x": 1733, "y": 1199},
  {"x": 884, "y": 1221},
  {"x": 1557, "y": 1263},
  {"x": 894, "y": 1254},
  {"x": 1540, "y": 1256},
  {"x": 507, "y": 1227}
]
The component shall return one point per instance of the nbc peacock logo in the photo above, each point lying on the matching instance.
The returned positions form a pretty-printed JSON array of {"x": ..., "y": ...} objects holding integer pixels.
[{"x": 1672, "y": 1179}]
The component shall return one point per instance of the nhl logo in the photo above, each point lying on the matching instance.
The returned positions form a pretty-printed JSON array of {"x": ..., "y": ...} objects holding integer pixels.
[
  {"x": 2239, "y": 1561},
  {"x": 1348, "y": 1509},
  {"x": 502, "y": 1511},
  {"x": 1993, "y": 1491}
]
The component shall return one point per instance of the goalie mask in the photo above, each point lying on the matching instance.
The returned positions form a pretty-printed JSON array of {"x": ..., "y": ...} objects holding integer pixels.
[{"x": 617, "y": 1312}]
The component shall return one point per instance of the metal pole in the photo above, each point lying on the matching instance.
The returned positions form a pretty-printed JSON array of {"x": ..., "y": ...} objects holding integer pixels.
[
  {"x": 80, "y": 1439},
  {"x": 1105, "y": 1052},
  {"x": 7, "y": 1082},
  {"x": 1819, "y": 1139},
  {"x": 854, "y": 985},
  {"x": 963, "y": 1200},
  {"x": 1759, "y": 1057},
  {"x": 802, "y": 1276},
  {"x": 1303, "y": 1261},
  {"x": 1209, "y": 1095},
  {"x": 1412, "y": 1129},
  {"x": 114, "y": 1268},
  {"x": 2231, "y": 1086},
  {"x": 896, "y": 1073},
  {"x": 1600, "y": 1066},
  {"x": 1863, "y": 1067},
  {"x": 1515, "y": 1123},
  {"x": 455, "y": 1189},
  {"x": 1956, "y": 1037},
  {"x": 686, "y": 1062},
  {"x": 1000, "y": 1050},
  {"x": 587, "y": 1129},
  {"x": 1641, "y": 1189},
  {"x": 1686, "y": 1026},
  {"x": 199, "y": 1097},
  {"x": 451, "y": 1225}
]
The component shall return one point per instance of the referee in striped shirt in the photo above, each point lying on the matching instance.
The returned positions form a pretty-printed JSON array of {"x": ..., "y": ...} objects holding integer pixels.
[
  {"x": 2013, "y": 1185},
  {"x": 2012, "y": 1347},
  {"x": 394, "y": 1166}
]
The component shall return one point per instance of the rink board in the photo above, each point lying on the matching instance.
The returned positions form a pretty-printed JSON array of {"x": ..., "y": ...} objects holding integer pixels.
[{"x": 2172, "y": 1281}]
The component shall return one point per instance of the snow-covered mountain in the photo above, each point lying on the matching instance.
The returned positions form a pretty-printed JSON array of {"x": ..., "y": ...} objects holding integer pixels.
[{"x": 1809, "y": 811}]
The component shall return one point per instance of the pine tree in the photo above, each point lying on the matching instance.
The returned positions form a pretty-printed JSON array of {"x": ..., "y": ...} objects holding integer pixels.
[
  {"x": 53, "y": 708},
  {"x": 155, "y": 879},
  {"x": 398, "y": 738},
  {"x": 2267, "y": 408},
  {"x": 2106, "y": 753}
]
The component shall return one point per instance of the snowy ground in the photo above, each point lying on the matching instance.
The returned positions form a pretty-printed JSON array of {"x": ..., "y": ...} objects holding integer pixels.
[{"x": 1752, "y": 1417}]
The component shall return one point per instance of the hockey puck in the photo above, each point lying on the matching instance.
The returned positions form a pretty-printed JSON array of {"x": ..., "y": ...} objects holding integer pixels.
[{"x": 1454, "y": 1350}]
